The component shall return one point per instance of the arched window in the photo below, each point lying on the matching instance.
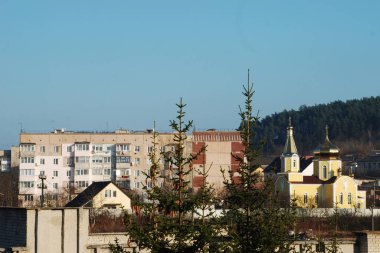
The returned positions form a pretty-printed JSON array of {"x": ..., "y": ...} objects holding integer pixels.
[
  {"x": 349, "y": 199},
  {"x": 324, "y": 171},
  {"x": 305, "y": 198},
  {"x": 316, "y": 198},
  {"x": 341, "y": 198}
]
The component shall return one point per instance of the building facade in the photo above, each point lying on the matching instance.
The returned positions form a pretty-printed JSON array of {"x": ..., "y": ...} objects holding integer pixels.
[
  {"x": 102, "y": 195},
  {"x": 220, "y": 150},
  {"x": 326, "y": 187},
  {"x": 71, "y": 161}
]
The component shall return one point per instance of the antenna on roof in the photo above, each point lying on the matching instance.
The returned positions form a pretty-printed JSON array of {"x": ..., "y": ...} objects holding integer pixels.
[{"x": 21, "y": 130}]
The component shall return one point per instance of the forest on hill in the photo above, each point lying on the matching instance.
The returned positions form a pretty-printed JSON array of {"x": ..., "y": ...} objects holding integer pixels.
[{"x": 354, "y": 126}]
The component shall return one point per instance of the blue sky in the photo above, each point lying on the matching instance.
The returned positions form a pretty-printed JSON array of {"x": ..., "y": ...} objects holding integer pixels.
[{"x": 98, "y": 65}]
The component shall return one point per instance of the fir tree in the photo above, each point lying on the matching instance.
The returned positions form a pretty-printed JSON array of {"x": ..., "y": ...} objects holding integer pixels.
[
  {"x": 165, "y": 222},
  {"x": 254, "y": 220}
]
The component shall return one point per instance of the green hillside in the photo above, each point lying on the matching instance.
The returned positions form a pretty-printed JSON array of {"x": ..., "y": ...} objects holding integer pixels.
[{"x": 354, "y": 126}]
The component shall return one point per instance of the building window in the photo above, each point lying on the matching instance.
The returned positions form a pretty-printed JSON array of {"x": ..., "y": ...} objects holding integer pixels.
[
  {"x": 123, "y": 159},
  {"x": 28, "y": 197},
  {"x": 81, "y": 172},
  {"x": 316, "y": 198},
  {"x": 107, "y": 193},
  {"x": 137, "y": 149},
  {"x": 56, "y": 149},
  {"x": 42, "y": 161},
  {"x": 26, "y": 184},
  {"x": 305, "y": 198},
  {"x": 341, "y": 198},
  {"x": 349, "y": 199},
  {"x": 68, "y": 173},
  {"x": 82, "y": 147},
  {"x": 294, "y": 163},
  {"x": 55, "y": 173},
  {"x": 97, "y": 172},
  {"x": 55, "y": 161},
  {"x": 81, "y": 184},
  {"x": 114, "y": 194},
  {"x": 324, "y": 171},
  {"x": 27, "y": 159},
  {"x": 82, "y": 159},
  {"x": 42, "y": 149},
  {"x": 150, "y": 149},
  {"x": 69, "y": 149},
  {"x": 97, "y": 148},
  {"x": 55, "y": 185},
  {"x": 107, "y": 171},
  {"x": 27, "y": 147},
  {"x": 137, "y": 173},
  {"x": 107, "y": 159},
  {"x": 137, "y": 184},
  {"x": 27, "y": 172},
  {"x": 137, "y": 160},
  {"x": 97, "y": 159},
  {"x": 122, "y": 147}
]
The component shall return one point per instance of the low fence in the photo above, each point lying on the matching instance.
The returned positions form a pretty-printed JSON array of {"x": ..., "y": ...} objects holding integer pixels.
[{"x": 309, "y": 212}]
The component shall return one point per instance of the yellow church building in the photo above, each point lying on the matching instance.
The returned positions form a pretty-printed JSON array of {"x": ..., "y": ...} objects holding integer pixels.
[{"x": 326, "y": 187}]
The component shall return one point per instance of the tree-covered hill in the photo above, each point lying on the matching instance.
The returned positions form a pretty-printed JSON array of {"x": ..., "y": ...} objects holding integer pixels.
[{"x": 354, "y": 126}]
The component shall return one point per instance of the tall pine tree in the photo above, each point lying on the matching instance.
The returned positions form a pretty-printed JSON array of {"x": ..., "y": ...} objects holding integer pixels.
[
  {"x": 254, "y": 220},
  {"x": 165, "y": 222}
]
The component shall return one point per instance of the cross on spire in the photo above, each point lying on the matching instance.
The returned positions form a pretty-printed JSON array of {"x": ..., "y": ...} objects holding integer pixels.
[{"x": 327, "y": 132}]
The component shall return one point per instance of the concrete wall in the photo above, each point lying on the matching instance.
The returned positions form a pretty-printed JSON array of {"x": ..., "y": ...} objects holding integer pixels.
[
  {"x": 63, "y": 230},
  {"x": 44, "y": 230},
  {"x": 66, "y": 230},
  {"x": 13, "y": 227},
  {"x": 368, "y": 242}
]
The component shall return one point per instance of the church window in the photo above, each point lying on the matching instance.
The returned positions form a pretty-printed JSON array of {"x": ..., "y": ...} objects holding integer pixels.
[
  {"x": 316, "y": 198},
  {"x": 341, "y": 198},
  {"x": 324, "y": 171},
  {"x": 294, "y": 163},
  {"x": 349, "y": 199},
  {"x": 305, "y": 198}
]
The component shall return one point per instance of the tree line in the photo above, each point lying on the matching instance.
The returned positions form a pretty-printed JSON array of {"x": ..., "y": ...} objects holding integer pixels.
[{"x": 354, "y": 125}]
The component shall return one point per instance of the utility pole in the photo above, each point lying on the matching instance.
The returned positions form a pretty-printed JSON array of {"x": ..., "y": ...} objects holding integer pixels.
[{"x": 43, "y": 178}]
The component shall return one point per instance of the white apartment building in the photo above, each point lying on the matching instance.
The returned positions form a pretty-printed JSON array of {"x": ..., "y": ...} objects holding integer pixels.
[{"x": 71, "y": 161}]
